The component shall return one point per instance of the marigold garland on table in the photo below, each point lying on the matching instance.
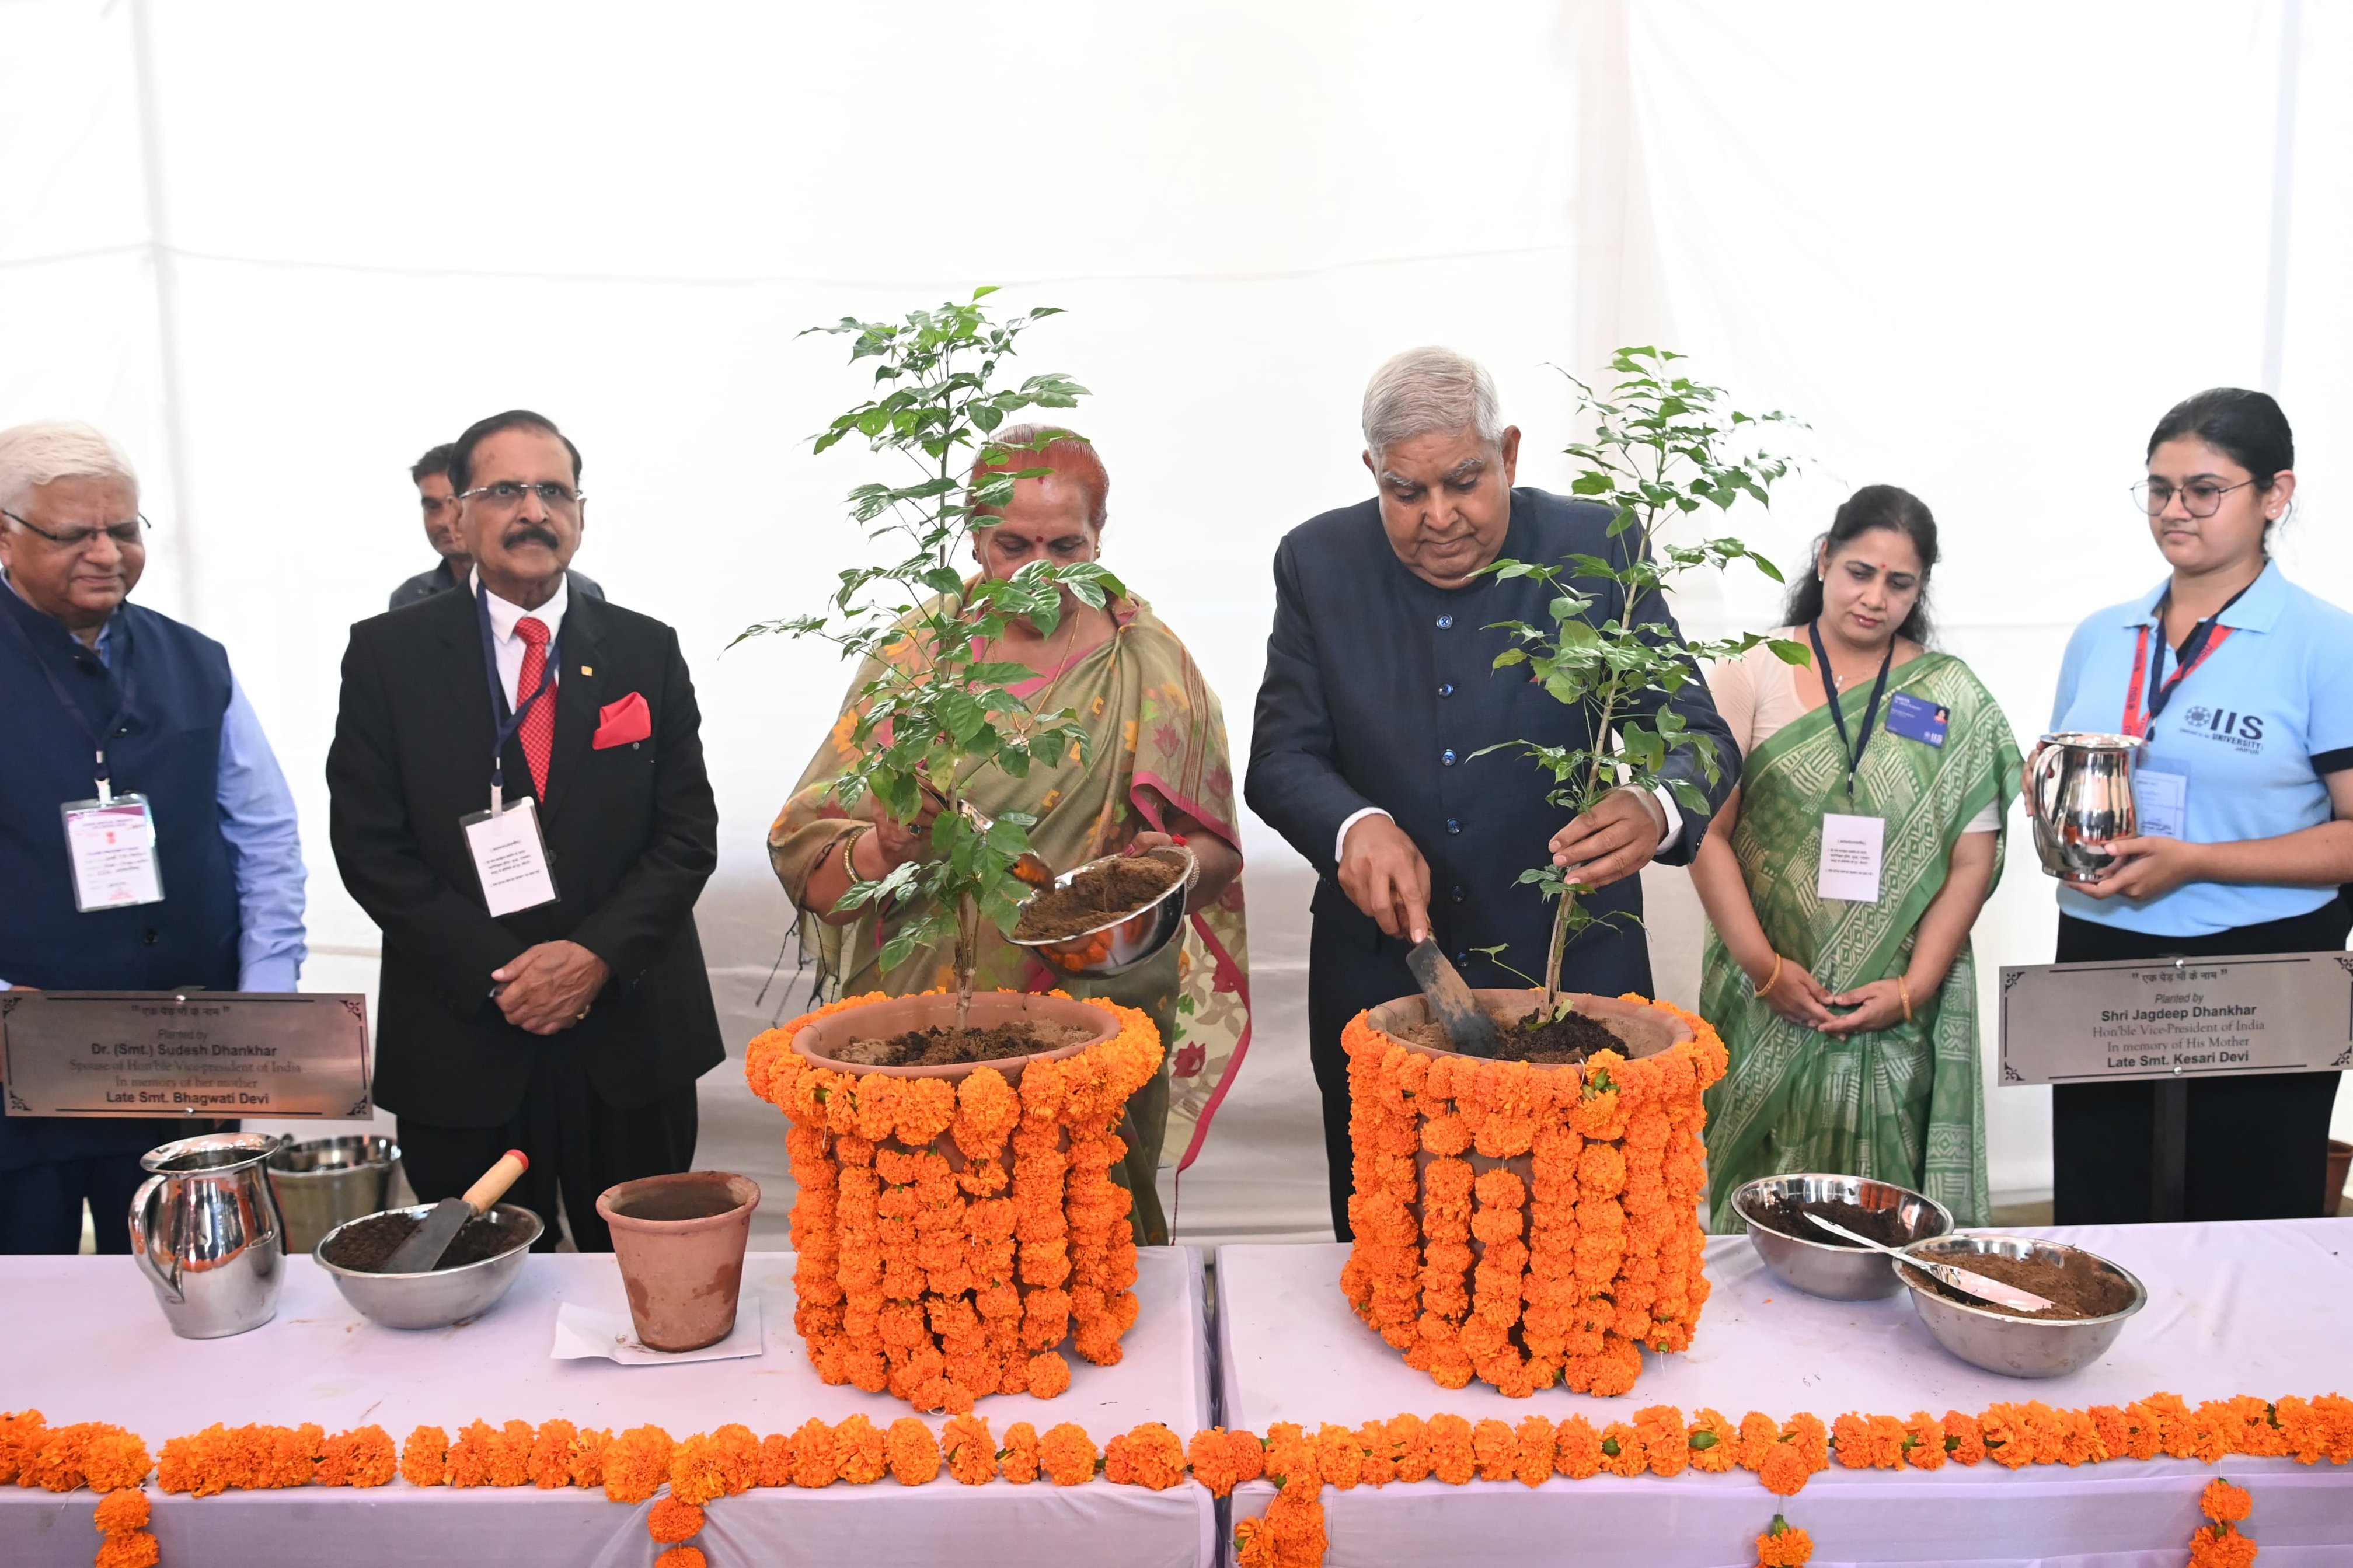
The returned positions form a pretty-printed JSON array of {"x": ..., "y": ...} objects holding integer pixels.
[
  {"x": 1552, "y": 1228},
  {"x": 939, "y": 1276},
  {"x": 2221, "y": 1544},
  {"x": 705, "y": 1466}
]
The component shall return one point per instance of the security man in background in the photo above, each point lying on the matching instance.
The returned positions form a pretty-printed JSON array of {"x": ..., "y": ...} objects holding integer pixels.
[
  {"x": 440, "y": 504},
  {"x": 101, "y": 699}
]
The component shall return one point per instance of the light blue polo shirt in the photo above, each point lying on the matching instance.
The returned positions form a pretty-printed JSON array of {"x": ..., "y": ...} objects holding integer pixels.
[{"x": 2253, "y": 729}]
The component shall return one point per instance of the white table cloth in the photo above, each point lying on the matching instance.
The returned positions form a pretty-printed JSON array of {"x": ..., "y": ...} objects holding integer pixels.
[
  {"x": 2252, "y": 1308},
  {"x": 86, "y": 1343}
]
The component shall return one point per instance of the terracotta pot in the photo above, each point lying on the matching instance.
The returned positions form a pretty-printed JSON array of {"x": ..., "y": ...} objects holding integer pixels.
[
  {"x": 1570, "y": 1305},
  {"x": 883, "y": 1020},
  {"x": 2340, "y": 1165},
  {"x": 681, "y": 1253}
]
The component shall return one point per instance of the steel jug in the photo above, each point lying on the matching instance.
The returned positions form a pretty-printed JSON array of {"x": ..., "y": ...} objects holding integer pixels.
[
  {"x": 205, "y": 1227},
  {"x": 2079, "y": 796}
]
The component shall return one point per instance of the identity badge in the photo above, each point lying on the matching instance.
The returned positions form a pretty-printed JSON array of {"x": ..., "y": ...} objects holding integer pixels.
[
  {"x": 1914, "y": 720},
  {"x": 2161, "y": 800},
  {"x": 1852, "y": 847},
  {"x": 510, "y": 857},
  {"x": 111, "y": 845}
]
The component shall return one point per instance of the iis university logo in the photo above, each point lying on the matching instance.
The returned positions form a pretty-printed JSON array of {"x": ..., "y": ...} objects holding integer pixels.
[{"x": 2241, "y": 731}]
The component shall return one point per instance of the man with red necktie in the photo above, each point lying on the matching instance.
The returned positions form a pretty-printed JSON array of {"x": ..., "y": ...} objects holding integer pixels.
[{"x": 542, "y": 985}]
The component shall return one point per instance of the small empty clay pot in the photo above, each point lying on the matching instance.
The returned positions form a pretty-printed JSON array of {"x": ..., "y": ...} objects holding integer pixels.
[{"x": 679, "y": 1241}]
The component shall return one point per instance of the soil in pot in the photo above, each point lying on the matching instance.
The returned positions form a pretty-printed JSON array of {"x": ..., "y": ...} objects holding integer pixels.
[
  {"x": 1532, "y": 1038},
  {"x": 367, "y": 1245},
  {"x": 1100, "y": 895},
  {"x": 1882, "y": 1226},
  {"x": 944, "y": 1045},
  {"x": 2075, "y": 1285}
]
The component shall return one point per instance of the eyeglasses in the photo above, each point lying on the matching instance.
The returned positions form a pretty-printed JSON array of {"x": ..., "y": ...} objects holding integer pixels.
[
  {"x": 507, "y": 494},
  {"x": 124, "y": 534},
  {"x": 2200, "y": 498}
]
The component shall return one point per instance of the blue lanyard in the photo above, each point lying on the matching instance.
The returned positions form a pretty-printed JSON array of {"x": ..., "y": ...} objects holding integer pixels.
[
  {"x": 508, "y": 726},
  {"x": 1851, "y": 749}
]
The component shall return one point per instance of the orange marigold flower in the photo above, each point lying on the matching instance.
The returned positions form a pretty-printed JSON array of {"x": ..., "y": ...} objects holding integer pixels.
[
  {"x": 1666, "y": 1446},
  {"x": 1149, "y": 1456},
  {"x": 1215, "y": 1455},
  {"x": 113, "y": 1458},
  {"x": 1785, "y": 1472},
  {"x": 20, "y": 1438},
  {"x": 673, "y": 1519},
  {"x": 860, "y": 1451},
  {"x": 128, "y": 1509},
  {"x": 1924, "y": 1442},
  {"x": 1018, "y": 1460},
  {"x": 1964, "y": 1442},
  {"x": 1050, "y": 1375},
  {"x": 1576, "y": 1450},
  {"x": 1622, "y": 1449},
  {"x": 424, "y": 1458},
  {"x": 2225, "y": 1503},
  {"x": 548, "y": 1466},
  {"x": 1784, "y": 1545},
  {"x": 588, "y": 1456},
  {"x": 913, "y": 1453},
  {"x": 681, "y": 1557},
  {"x": 1068, "y": 1454},
  {"x": 2220, "y": 1546},
  {"x": 715, "y": 1464},
  {"x": 363, "y": 1457},
  {"x": 636, "y": 1463},
  {"x": 1714, "y": 1442},
  {"x": 128, "y": 1549},
  {"x": 1451, "y": 1456},
  {"x": 971, "y": 1451}
]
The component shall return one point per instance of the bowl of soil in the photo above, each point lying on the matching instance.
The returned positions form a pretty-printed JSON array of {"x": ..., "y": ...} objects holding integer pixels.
[
  {"x": 916, "y": 1036},
  {"x": 1111, "y": 915},
  {"x": 482, "y": 1262},
  {"x": 1814, "y": 1260},
  {"x": 2091, "y": 1297}
]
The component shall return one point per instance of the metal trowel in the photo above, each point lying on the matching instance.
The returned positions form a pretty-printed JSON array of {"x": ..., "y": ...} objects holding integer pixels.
[
  {"x": 1450, "y": 1002},
  {"x": 421, "y": 1253}
]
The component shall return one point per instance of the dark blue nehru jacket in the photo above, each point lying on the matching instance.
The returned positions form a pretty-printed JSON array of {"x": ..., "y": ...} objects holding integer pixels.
[{"x": 165, "y": 747}]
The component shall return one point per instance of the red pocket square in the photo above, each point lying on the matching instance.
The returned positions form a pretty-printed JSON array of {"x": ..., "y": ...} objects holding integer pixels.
[{"x": 619, "y": 723}]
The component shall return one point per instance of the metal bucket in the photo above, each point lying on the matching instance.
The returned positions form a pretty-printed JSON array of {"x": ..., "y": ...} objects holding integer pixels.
[{"x": 329, "y": 1181}]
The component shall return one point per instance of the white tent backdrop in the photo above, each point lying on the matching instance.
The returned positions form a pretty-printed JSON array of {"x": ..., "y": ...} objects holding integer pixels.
[{"x": 279, "y": 250}]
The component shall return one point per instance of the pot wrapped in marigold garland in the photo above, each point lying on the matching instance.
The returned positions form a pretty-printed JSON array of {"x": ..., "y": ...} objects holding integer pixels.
[
  {"x": 956, "y": 1225},
  {"x": 1526, "y": 1224}
]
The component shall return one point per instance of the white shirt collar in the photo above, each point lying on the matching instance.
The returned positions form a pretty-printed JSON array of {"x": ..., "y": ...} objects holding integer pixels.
[{"x": 503, "y": 616}]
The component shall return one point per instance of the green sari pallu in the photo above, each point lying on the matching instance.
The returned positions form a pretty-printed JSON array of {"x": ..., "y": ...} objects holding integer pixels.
[{"x": 1904, "y": 1104}]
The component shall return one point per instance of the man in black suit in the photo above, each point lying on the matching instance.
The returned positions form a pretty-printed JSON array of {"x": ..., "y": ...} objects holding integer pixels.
[
  {"x": 1380, "y": 694},
  {"x": 573, "y": 1029}
]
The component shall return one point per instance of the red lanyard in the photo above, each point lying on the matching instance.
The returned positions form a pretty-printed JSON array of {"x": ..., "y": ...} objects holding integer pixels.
[{"x": 2204, "y": 640}]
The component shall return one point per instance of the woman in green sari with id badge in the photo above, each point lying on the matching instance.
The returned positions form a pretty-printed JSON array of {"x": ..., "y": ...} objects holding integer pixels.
[{"x": 1842, "y": 879}]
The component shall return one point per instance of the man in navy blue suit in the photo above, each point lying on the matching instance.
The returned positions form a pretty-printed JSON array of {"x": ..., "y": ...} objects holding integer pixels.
[{"x": 1380, "y": 694}]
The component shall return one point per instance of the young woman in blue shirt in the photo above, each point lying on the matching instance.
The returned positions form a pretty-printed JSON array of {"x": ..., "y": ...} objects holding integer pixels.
[{"x": 2242, "y": 684}]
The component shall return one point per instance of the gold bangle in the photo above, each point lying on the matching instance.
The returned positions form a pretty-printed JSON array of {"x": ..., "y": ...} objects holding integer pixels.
[
  {"x": 1770, "y": 981},
  {"x": 1904, "y": 989},
  {"x": 848, "y": 847}
]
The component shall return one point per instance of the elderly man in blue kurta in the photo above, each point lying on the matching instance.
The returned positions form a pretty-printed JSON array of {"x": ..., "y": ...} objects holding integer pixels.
[
  {"x": 101, "y": 699},
  {"x": 1380, "y": 697}
]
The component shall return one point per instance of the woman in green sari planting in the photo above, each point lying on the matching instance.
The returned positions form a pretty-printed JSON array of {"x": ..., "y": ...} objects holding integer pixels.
[
  {"x": 1842, "y": 879},
  {"x": 1155, "y": 769}
]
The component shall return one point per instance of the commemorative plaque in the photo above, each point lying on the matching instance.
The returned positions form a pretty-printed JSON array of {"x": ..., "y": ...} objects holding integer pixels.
[
  {"x": 286, "y": 1056},
  {"x": 2177, "y": 1018}
]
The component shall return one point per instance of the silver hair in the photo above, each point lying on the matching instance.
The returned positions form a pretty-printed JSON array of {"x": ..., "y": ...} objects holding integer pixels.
[
  {"x": 1430, "y": 390},
  {"x": 34, "y": 454}
]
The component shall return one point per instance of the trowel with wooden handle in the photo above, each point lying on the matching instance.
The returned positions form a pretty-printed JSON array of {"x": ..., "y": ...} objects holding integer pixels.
[
  {"x": 421, "y": 1253},
  {"x": 1450, "y": 1002}
]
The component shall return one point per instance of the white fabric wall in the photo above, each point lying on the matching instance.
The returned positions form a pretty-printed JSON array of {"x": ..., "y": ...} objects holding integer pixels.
[{"x": 279, "y": 250}]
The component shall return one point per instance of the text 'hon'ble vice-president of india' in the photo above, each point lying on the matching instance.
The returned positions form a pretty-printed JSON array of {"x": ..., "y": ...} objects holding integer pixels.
[{"x": 1380, "y": 694}]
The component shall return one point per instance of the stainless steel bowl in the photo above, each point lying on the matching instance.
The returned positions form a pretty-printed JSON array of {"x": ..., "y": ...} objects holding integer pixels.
[
  {"x": 1117, "y": 946},
  {"x": 443, "y": 1296},
  {"x": 327, "y": 1181},
  {"x": 1824, "y": 1268},
  {"x": 1988, "y": 1337}
]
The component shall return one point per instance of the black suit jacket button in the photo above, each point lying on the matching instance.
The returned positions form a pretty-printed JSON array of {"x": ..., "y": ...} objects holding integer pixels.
[
  {"x": 1444, "y": 622},
  {"x": 1452, "y": 825},
  {"x": 148, "y": 936},
  {"x": 1447, "y": 756}
]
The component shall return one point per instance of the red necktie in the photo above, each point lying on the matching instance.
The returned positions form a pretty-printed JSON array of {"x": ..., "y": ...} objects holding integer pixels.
[{"x": 539, "y": 718}]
